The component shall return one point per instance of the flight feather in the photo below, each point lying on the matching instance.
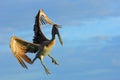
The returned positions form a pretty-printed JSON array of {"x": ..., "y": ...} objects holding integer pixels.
[{"x": 19, "y": 47}]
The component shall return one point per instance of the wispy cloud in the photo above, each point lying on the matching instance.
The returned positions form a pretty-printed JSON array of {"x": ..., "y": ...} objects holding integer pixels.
[
  {"x": 116, "y": 62},
  {"x": 64, "y": 12},
  {"x": 83, "y": 54},
  {"x": 96, "y": 72}
]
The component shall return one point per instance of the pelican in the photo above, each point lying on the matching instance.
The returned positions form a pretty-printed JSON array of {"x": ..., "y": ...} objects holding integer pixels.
[{"x": 41, "y": 46}]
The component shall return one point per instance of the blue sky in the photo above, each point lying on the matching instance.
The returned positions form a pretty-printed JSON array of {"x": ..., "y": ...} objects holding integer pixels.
[{"x": 90, "y": 31}]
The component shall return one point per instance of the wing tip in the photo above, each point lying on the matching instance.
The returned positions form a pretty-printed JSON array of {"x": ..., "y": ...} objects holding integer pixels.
[{"x": 21, "y": 62}]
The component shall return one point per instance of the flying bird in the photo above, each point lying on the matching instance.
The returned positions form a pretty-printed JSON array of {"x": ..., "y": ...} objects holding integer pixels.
[{"x": 41, "y": 46}]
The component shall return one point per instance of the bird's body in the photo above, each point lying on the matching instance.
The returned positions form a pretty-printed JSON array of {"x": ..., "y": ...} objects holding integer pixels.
[
  {"x": 48, "y": 48},
  {"x": 41, "y": 45}
]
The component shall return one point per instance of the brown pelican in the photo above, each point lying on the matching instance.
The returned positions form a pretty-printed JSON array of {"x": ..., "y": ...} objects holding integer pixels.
[{"x": 41, "y": 45}]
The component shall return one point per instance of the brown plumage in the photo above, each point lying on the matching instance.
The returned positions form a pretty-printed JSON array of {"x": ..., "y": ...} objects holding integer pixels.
[
  {"x": 41, "y": 45},
  {"x": 19, "y": 47}
]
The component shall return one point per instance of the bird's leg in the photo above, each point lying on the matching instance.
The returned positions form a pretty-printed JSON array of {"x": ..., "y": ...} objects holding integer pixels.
[
  {"x": 37, "y": 56},
  {"x": 53, "y": 60},
  {"x": 46, "y": 70},
  {"x": 34, "y": 60}
]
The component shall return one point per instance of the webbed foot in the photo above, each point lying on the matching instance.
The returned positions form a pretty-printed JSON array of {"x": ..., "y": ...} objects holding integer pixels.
[
  {"x": 47, "y": 71},
  {"x": 54, "y": 61}
]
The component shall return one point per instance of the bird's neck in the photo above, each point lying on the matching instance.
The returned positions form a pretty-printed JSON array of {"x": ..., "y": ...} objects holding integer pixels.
[{"x": 53, "y": 36}]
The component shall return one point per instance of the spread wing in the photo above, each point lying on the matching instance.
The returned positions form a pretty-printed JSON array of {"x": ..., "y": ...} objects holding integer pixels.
[
  {"x": 44, "y": 18},
  {"x": 41, "y": 19},
  {"x": 19, "y": 47}
]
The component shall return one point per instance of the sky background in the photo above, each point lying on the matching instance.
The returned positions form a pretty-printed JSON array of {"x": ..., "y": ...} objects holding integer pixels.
[{"x": 90, "y": 31}]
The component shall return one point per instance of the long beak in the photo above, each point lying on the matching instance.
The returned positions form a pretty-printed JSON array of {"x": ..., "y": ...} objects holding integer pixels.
[
  {"x": 60, "y": 39},
  {"x": 57, "y": 32}
]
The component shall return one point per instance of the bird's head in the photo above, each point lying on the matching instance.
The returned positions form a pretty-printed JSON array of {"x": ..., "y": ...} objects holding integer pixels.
[{"x": 56, "y": 31}]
